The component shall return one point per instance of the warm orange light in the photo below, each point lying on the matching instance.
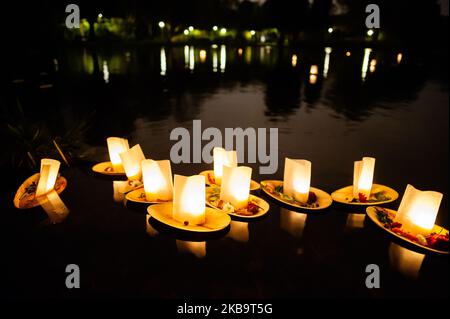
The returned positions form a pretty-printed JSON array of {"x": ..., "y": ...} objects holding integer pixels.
[
  {"x": 221, "y": 158},
  {"x": 294, "y": 60},
  {"x": 116, "y": 145},
  {"x": 314, "y": 70},
  {"x": 131, "y": 161},
  {"x": 373, "y": 64},
  {"x": 48, "y": 176},
  {"x": 197, "y": 248},
  {"x": 240, "y": 51},
  {"x": 189, "y": 199},
  {"x": 238, "y": 231},
  {"x": 157, "y": 178},
  {"x": 363, "y": 177},
  {"x": 297, "y": 179},
  {"x": 418, "y": 210},
  {"x": 399, "y": 58},
  {"x": 236, "y": 186},
  {"x": 202, "y": 55}
]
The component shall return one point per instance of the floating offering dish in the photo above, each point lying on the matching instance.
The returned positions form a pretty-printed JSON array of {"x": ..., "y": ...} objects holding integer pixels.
[
  {"x": 256, "y": 207},
  {"x": 317, "y": 199},
  {"x": 106, "y": 168},
  {"x": 379, "y": 194},
  {"x": 436, "y": 240},
  {"x": 138, "y": 196},
  {"x": 116, "y": 146},
  {"x": 210, "y": 180}
]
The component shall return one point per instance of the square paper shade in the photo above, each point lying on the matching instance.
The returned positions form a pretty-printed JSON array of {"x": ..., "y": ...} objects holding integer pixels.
[
  {"x": 48, "y": 176},
  {"x": 116, "y": 145},
  {"x": 157, "y": 178},
  {"x": 236, "y": 186},
  {"x": 131, "y": 161},
  {"x": 221, "y": 158},
  {"x": 297, "y": 179},
  {"x": 189, "y": 199},
  {"x": 363, "y": 177},
  {"x": 418, "y": 210}
]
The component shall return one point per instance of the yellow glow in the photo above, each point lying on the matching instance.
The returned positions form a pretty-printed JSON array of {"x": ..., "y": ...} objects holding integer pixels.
[
  {"x": 119, "y": 189},
  {"x": 116, "y": 145},
  {"x": 372, "y": 66},
  {"x": 399, "y": 58},
  {"x": 348, "y": 53},
  {"x": 418, "y": 210},
  {"x": 157, "y": 178},
  {"x": 297, "y": 179},
  {"x": 131, "y": 161},
  {"x": 215, "y": 60},
  {"x": 191, "y": 28},
  {"x": 202, "y": 55},
  {"x": 312, "y": 79},
  {"x": 292, "y": 222},
  {"x": 48, "y": 175},
  {"x": 363, "y": 176},
  {"x": 238, "y": 231},
  {"x": 235, "y": 187},
  {"x": 223, "y": 31},
  {"x": 186, "y": 32},
  {"x": 221, "y": 158},
  {"x": 198, "y": 249},
  {"x": 189, "y": 199},
  {"x": 294, "y": 60},
  {"x": 252, "y": 32},
  {"x": 186, "y": 56},
  {"x": 54, "y": 207},
  {"x": 191, "y": 58},
  {"x": 215, "y": 28},
  {"x": 370, "y": 32},
  {"x": 330, "y": 30},
  {"x": 405, "y": 261},
  {"x": 100, "y": 16},
  {"x": 240, "y": 51},
  {"x": 355, "y": 221},
  {"x": 223, "y": 58},
  {"x": 161, "y": 24},
  {"x": 314, "y": 70},
  {"x": 248, "y": 55}
]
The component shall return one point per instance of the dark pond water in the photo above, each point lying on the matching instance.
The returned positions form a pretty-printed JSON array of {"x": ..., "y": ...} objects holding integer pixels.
[{"x": 389, "y": 103}]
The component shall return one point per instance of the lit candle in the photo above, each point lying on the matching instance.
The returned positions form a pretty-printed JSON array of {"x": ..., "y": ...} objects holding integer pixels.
[
  {"x": 116, "y": 145},
  {"x": 418, "y": 210},
  {"x": 48, "y": 176},
  {"x": 297, "y": 179},
  {"x": 314, "y": 70},
  {"x": 189, "y": 199},
  {"x": 157, "y": 178},
  {"x": 363, "y": 177},
  {"x": 236, "y": 186},
  {"x": 54, "y": 207},
  {"x": 221, "y": 158},
  {"x": 131, "y": 161}
]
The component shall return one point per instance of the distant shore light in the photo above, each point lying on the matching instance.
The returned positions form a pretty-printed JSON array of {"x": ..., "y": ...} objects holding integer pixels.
[
  {"x": 330, "y": 30},
  {"x": 348, "y": 53},
  {"x": 215, "y": 28},
  {"x": 186, "y": 31},
  {"x": 370, "y": 32},
  {"x": 252, "y": 32},
  {"x": 202, "y": 55},
  {"x": 100, "y": 15},
  {"x": 161, "y": 24},
  {"x": 223, "y": 31},
  {"x": 399, "y": 58},
  {"x": 191, "y": 28}
]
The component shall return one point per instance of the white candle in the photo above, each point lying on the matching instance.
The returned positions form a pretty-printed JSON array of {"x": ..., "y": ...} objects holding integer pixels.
[
  {"x": 48, "y": 176},
  {"x": 418, "y": 210},
  {"x": 297, "y": 179},
  {"x": 236, "y": 186},
  {"x": 363, "y": 177},
  {"x": 131, "y": 161},
  {"x": 116, "y": 145},
  {"x": 189, "y": 199},
  {"x": 157, "y": 178},
  {"x": 221, "y": 158}
]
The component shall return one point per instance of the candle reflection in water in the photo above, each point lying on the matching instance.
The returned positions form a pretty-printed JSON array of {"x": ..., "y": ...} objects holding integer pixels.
[
  {"x": 248, "y": 55},
  {"x": 365, "y": 64},
  {"x": 186, "y": 56},
  {"x": 294, "y": 60},
  {"x": 198, "y": 249},
  {"x": 191, "y": 58},
  {"x": 399, "y": 58},
  {"x": 372, "y": 66},
  {"x": 223, "y": 58},
  {"x": 238, "y": 231},
  {"x": 105, "y": 70},
  {"x": 292, "y": 222},
  {"x": 54, "y": 207},
  {"x": 405, "y": 261},
  {"x": 119, "y": 190},
  {"x": 355, "y": 221},
  {"x": 202, "y": 56},
  {"x": 215, "y": 60},
  {"x": 163, "y": 61},
  {"x": 326, "y": 61},
  {"x": 149, "y": 228}
]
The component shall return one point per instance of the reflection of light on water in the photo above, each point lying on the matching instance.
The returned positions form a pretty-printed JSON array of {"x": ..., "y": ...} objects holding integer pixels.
[
  {"x": 355, "y": 221},
  {"x": 348, "y": 53},
  {"x": 326, "y": 61},
  {"x": 119, "y": 189},
  {"x": 312, "y": 79},
  {"x": 240, "y": 51},
  {"x": 365, "y": 64},
  {"x": 54, "y": 207},
  {"x": 399, "y": 58},
  {"x": 372, "y": 66},
  {"x": 192, "y": 247},
  {"x": 163, "y": 61},
  {"x": 215, "y": 60},
  {"x": 88, "y": 62},
  {"x": 292, "y": 222},
  {"x": 186, "y": 56},
  {"x": 313, "y": 71},
  {"x": 202, "y": 55},
  {"x": 294, "y": 60},
  {"x": 223, "y": 58},
  {"x": 238, "y": 231},
  {"x": 149, "y": 228},
  {"x": 191, "y": 58},
  {"x": 248, "y": 55},
  {"x": 105, "y": 72},
  {"x": 405, "y": 261}
]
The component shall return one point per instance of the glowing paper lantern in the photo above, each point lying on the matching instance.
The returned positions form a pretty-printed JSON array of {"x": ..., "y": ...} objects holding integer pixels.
[
  {"x": 189, "y": 199},
  {"x": 297, "y": 179},
  {"x": 314, "y": 70},
  {"x": 157, "y": 178},
  {"x": 236, "y": 185},
  {"x": 221, "y": 158},
  {"x": 54, "y": 207},
  {"x": 418, "y": 210},
  {"x": 131, "y": 161},
  {"x": 363, "y": 177},
  {"x": 48, "y": 176},
  {"x": 116, "y": 145}
]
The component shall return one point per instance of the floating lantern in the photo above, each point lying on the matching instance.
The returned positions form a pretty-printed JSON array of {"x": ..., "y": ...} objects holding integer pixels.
[
  {"x": 221, "y": 158},
  {"x": 418, "y": 210},
  {"x": 55, "y": 208},
  {"x": 363, "y": 177},
  {"x": 157, "y": 178},
  {"x": 117, "y": 145},
  {"x": 297, "y": 179},
  {"x": 48, "y": 176},
  {"x": 314, "y": 70},
  {"x": 189, "y": 199},
  {"x": 131, "y": 161},
  {"x": 236, "y": 186}
]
